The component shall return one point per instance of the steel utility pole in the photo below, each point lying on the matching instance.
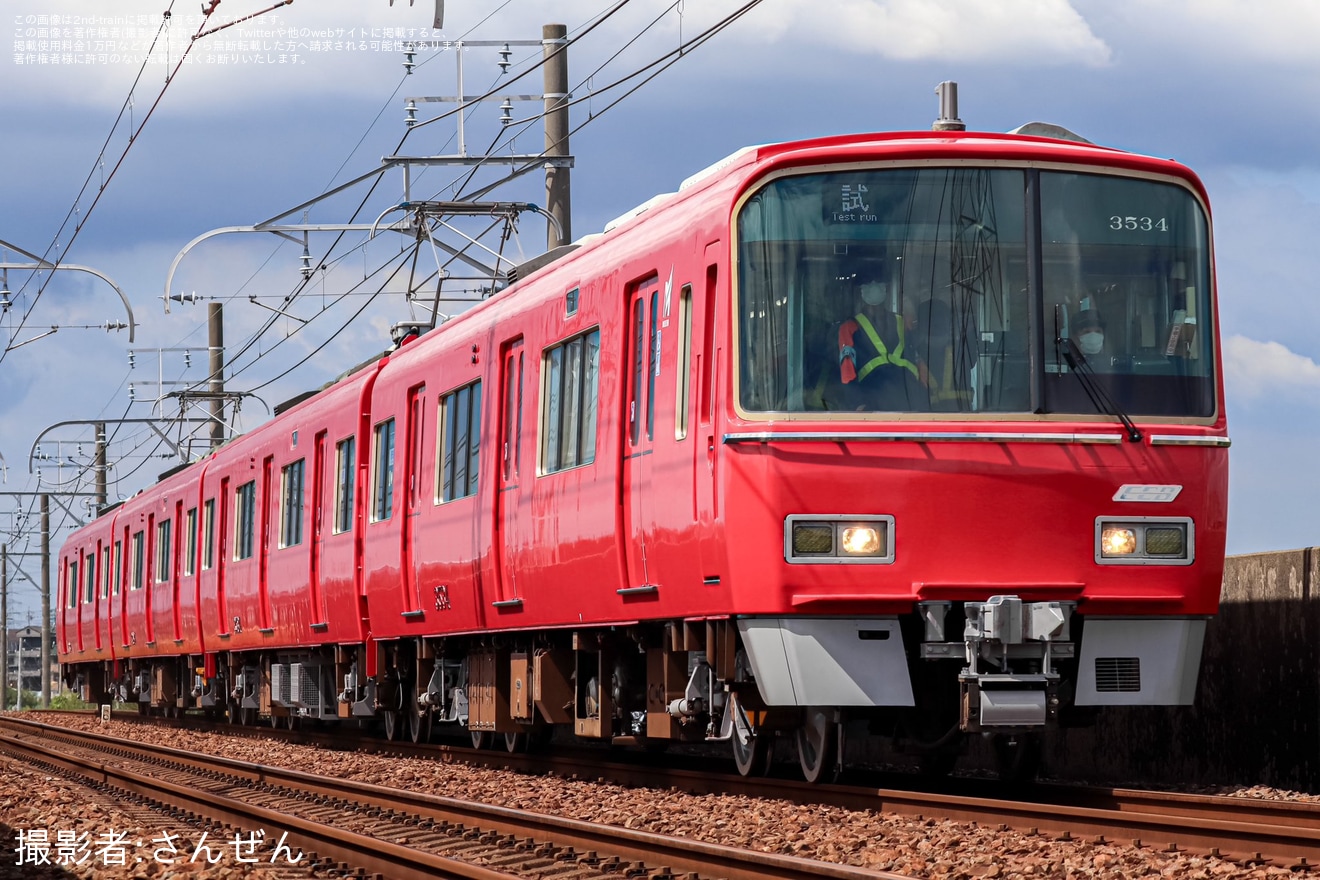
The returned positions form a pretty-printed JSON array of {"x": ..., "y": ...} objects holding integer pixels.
[
  {"x": 215, "y": 323},
  {"x": 558, "y": 204},
  {"x": 4, "y": 626},
  {"x": 46, "y": 635},
  {"x": 99, "y": 468}
]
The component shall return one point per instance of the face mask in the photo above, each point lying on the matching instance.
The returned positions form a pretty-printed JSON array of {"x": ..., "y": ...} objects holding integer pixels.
[
  {"x": 1091, "y": 343},
  {"x": 874, "y": 293}
]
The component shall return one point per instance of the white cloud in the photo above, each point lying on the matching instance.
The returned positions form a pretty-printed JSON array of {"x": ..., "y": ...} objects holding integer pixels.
[
  {"x": 1279, "y": 32},
  {"x": 1254, "y": 369},
  {"x": 1028, "y": 34}
]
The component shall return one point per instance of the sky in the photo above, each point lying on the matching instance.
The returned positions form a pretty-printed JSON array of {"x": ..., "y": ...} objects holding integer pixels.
[{"x": 117, "y": 165}]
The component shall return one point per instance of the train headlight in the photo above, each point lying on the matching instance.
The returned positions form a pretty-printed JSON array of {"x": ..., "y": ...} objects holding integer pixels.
[
  {"x": 1145, "y": 540},
  {"x": 859, "y": 540},
  {"x": 1118, "y": 542},
  {"x": 838, "y": 538},
  {"x": 813, "y": 539}
]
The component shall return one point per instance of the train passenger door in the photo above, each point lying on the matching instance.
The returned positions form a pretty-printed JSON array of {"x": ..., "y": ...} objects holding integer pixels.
[
  {"x": 643, "y": 366},
  {"x": 263, "y": 553},
  {"x": 412, "y": 463},
  {"x": 318, "y": 609},
  {"x": 705, "y": 476},
  {"x": 222, "y": 528},
  {"x": 511, "y": 466},
  {"x": 176, "y": 581}
]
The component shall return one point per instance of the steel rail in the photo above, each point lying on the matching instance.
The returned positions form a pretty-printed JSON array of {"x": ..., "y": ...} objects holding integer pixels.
[
  {"x": 1248, "y": 829},
  {"x": 703, "y": 859}
]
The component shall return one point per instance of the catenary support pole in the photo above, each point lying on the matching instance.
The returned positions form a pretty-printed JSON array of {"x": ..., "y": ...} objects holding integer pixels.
[
  {"x": 558, "y": 204},
  {"x": 215, "y": 323},
  {"x": 4, "y": 626},
  {"x": 45, "y": 602},
  {"x": 99, "y": 468}
]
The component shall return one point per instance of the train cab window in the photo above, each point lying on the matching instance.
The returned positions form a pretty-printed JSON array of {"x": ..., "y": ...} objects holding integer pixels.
[
  {"x": 190, "y": 542},
  {"x": 570, "y": 394},
  {"x": 139, "y": 561},
  {"x": 917, "y": 290},
  {"x": 457, "y": 453},
  {"x": 345, "y": 470},
  {"x": 71, "y": 584},
  {"x": 382, "y": 475},
  {"x": 291, "y": 504},
  {"x": 89, "y": 579},
  {"x": 164, "y": 558},
  {"x": 245, "y": 510},
  {"x": 208, "y": 533},
  {"x": 116, "y": 574}
]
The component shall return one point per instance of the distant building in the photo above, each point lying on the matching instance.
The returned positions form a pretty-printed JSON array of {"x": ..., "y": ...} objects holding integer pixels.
[{"x": 25, "y": 660}]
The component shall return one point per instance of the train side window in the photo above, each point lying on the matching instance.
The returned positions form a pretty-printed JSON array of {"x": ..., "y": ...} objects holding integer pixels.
[
  {"x": 71, "y": 584},
  {"x": 345, "y": 469},
  {"x": 382, "y": 478},
  {"x": 460, "y": 435},
  {"x": 119, "y": 558},
  {"x": 684, "y": 370},
  {"x": 105, "y": 571},
  {"x": 245, "y": 510},
  {"x": 652, "y": 366},
  {"x": 139, "y": 560},
  {"x": 291, "y": 504},
  {"x": 208, "y": 533},
  {"x": 190, "y": 542},
  {"x": 163, "y": 529},
  {"x": 571, "y": 399},
  {"x": 89, "y": 579}
]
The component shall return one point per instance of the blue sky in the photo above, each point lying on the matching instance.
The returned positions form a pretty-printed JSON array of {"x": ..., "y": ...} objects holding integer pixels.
[{"x": 270, "y": 113}]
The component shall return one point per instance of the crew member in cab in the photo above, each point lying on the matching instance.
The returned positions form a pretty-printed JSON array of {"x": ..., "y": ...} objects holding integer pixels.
[{"x": 877, "y": 368}]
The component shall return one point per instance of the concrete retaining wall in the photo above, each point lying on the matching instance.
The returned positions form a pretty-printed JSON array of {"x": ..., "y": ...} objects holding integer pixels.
[{"x": 1257, "y": 712}]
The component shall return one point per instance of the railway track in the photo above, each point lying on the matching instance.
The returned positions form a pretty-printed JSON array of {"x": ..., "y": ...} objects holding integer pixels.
[
  {"x": 1249, "y": 831},
  {"x": 393, "y": 833}
]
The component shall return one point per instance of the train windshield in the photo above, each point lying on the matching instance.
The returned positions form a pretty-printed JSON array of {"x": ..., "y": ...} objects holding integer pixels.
[{"x": 974, "y": 290}]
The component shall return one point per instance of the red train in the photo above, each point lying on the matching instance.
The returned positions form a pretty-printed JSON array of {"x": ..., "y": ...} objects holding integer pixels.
[{"x": 919, "y": 430}]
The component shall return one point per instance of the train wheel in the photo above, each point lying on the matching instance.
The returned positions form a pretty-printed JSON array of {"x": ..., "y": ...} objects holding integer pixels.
[
  {"x": 419, "y": 726},
  {"x": 1017, "y": 757},
  {"x": 817, "y": 741},
  {"x": 249, "y": 717},
  {"x": 751, "y": 749},
  {"x": 393, "y": 728},
  {"x": 515, "y": 743},
  {"x": 413, "y": 715},
  {"x": 481, "y": 739}
]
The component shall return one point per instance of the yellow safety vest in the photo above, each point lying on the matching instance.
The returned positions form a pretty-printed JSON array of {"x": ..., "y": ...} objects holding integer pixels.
[{"x": 883, "y": 355}]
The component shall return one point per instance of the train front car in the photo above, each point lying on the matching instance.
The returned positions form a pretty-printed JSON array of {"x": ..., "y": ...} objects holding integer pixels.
[{"x": 976, "y": 465}]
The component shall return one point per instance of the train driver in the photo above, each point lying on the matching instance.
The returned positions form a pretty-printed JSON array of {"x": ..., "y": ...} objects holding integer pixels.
[{"x": 877, "y": 369}]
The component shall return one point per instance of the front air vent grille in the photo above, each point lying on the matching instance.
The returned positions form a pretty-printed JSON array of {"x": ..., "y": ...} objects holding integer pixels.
[{"x": 1118, "y": 675}]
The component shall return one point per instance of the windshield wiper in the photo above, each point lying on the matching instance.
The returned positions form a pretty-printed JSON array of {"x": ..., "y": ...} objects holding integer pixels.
[{"x": 1079, "y": 367}]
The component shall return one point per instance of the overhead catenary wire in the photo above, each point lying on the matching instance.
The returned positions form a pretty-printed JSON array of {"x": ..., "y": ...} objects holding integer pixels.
[{"x": 132, "y": 139}]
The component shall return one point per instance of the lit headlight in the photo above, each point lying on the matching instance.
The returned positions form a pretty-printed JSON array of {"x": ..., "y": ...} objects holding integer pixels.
[
  {"x": 1145, "y": 540},
  {"x": 838, "y": 538},
  {"x": 1118, "y": 542},
  {"x": 860, "y": 540}
]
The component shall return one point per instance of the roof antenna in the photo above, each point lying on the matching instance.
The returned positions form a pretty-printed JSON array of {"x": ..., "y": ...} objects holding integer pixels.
[{"x": 948, "y": 121}]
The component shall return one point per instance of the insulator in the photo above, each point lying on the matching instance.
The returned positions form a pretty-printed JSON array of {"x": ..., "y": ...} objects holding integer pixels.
[
  {"x": 409, "y": 61},
  {"x": 411, "y": 118},
  {"x": 306, "y": 263},
  {"x": 504, "y": 59},
  {"x": 132, "y": 361}
]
